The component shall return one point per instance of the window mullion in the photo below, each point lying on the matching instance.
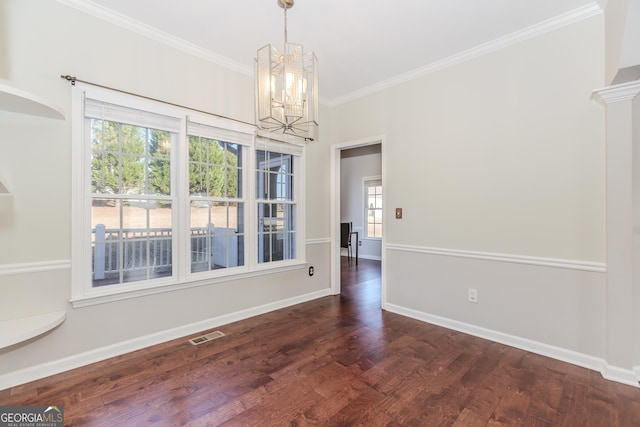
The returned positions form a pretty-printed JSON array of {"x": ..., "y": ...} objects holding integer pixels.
[
  {"x": 251, "y": 206},
  {"x": 180, "y": 197}
]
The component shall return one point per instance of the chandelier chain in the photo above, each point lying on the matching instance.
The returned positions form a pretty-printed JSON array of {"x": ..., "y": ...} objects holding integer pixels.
[{"x": 285, "y": 25}]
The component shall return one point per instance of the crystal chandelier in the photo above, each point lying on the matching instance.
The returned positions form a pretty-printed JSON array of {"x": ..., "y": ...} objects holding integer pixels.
[{"x": 287, "y": 87}]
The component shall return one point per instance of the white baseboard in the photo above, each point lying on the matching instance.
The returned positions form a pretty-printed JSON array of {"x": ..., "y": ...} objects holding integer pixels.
[
  {"x": 624, "y": 376},
  {"x": 61, "y": 365},
  {"x": 371, "y": 257},
  {"x": 343, "y": 252},
  {"x": 621, "y": 375}
]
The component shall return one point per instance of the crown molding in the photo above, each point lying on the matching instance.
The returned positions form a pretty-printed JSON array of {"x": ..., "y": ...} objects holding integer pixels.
[
  {"x": 100, "y": 12},
  {"x": 617, "y": 93},
  {"x": 527, "y": 33}
]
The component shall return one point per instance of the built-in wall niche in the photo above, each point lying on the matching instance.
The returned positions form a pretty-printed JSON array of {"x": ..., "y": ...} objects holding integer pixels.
[
  {"x": 14, "y": 331},
  {"x": 19, "y": 101}
]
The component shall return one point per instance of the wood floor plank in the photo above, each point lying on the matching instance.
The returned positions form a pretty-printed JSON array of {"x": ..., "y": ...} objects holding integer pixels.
[
  {"x": 334, "y": 361},
  {"x": 511, "y": 410}
]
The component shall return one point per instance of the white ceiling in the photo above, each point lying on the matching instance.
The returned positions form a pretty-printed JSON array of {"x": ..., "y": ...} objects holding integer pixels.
[{"x": 360, "y": 44}]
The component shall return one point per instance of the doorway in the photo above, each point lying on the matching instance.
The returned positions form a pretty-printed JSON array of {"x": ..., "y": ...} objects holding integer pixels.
[{"x": 355, "y": 161}]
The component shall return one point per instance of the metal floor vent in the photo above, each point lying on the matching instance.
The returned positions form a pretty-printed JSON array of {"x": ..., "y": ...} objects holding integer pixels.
[{"x": 204, "y": 338}]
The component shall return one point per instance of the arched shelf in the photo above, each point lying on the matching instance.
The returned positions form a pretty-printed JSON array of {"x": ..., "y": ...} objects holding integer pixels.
[
  {"x": 19, "y": 101},
  {"x": 17, "y": 330}
]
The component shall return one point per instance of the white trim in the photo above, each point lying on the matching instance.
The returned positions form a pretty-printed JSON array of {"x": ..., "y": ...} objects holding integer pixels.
[
  {"x": 34, "y": 267},
  {"x": 129, "y": 291},
  {"x": 624, "y": 376},
  {"x": 620, "y": 375},
  {"x": 334, "y": 186},
  {"x": 322, "y": 241},
  {"x": 494, "y": 45},
  {"x": 617, "y": 93},
  {"x": 365, "y": 211},
  {"x": 371, "y": 257},
  {"x": 79, "y": 217},
  {"x": 516, "y": 259},
  {"x": 54, "y": 367},
  {"x": 153, "y": 33}
]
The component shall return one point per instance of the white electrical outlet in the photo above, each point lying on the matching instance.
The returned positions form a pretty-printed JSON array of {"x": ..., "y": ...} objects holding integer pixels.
[{"x": 473, "y": 295}]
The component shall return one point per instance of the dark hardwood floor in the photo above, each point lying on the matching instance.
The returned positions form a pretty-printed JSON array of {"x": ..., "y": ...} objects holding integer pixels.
[{"x": 336, "y": 361}]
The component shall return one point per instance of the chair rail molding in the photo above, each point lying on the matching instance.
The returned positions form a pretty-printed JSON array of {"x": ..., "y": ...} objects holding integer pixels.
[
  {"x": 34, "y": 267},
  {"x": 499, "y": 257}
]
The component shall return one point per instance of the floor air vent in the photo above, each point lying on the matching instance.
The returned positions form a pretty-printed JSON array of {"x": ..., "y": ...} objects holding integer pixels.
[{"x": 205, "y": 338}]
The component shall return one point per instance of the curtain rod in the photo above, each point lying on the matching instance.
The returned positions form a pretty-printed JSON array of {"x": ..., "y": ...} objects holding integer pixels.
[{"x": 73, "y": 81}]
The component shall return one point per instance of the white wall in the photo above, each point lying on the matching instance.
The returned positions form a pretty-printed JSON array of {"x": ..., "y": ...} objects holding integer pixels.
[
  {"x": 353, "y": 169},
  {"x": 503, "y": 153},
  {"x": 39, "y": 40},
  {"x": 498, "y": 165},
  {"x": 318, "y": 182},
  {"x": 615, "y": 25},
  {"x": 636, "y": 227},
  {"x": 622, "y": 38}
]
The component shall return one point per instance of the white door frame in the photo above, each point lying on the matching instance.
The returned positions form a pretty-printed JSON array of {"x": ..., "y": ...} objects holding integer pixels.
[{"x": 335, "y": 210}]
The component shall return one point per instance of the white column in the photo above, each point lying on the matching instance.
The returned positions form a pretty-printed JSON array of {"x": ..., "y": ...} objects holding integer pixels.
[{"x": 621, "y": 332}]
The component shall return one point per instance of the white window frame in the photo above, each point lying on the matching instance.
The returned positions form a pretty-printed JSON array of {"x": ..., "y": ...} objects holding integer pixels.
[
  {"x": 297, "y": 154},
  {"x": 203, "y": 126},
  {"x": 82, "y": 292},
  {"x": 366, "y": 181}
]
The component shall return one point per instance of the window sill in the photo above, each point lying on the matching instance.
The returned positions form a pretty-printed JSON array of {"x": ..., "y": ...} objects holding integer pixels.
[{"x": 94, "y": 298}]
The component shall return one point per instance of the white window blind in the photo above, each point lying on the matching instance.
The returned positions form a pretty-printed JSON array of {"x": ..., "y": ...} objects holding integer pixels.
[
  {"x": 279, "y": 147},
  {"x": 219, "y": 134},
  {"x": 95, "y": 109}
]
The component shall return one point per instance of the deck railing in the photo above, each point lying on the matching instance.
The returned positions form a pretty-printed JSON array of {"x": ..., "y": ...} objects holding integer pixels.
[{"x": 141, "y": 249}]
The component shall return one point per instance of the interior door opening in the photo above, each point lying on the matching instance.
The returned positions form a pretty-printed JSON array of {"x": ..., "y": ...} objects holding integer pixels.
[{"x": 359, "y": 198}]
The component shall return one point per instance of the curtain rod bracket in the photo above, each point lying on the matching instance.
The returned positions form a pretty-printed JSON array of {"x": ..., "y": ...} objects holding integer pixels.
[{"x": 70, "y": 79}]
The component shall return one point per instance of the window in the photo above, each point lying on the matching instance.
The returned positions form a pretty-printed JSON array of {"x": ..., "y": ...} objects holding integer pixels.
[
  {"x": 131, "y": 202},
  {"x": 276, "y": 206},
  {"x": 161, "y": 198},
  {"x": 216, "y": 208},
  {"x": 373, "y": 208}
]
